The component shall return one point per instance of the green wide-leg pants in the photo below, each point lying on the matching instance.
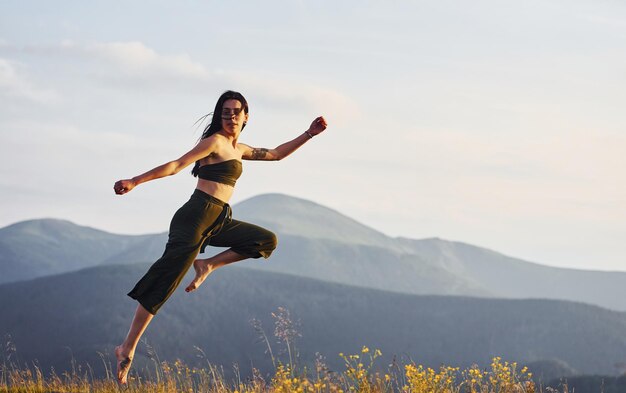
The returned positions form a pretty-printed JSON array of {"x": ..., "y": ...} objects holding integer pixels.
[{"x": 204, "y": 220}]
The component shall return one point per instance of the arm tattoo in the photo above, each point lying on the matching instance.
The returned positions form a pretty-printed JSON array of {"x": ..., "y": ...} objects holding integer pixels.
[{"x": 259, "y": 154}]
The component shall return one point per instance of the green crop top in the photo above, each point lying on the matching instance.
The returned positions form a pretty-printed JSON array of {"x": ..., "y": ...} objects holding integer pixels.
[{"x": 225, "y": 172}]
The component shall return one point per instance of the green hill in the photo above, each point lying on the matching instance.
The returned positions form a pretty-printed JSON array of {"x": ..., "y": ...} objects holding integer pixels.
[
  {"x": 311, "y": 236},
  {"x": 37, "y": 248},
  {"x": 82, "y": 313}
]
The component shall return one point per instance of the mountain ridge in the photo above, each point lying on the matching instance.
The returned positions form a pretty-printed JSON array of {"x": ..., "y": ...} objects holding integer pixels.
[
  {"x": 91, "y": 313},
  {"x": 311, "y": 235}
]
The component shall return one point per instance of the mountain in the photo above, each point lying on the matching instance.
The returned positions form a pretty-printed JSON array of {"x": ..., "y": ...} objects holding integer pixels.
[
  {"x": 367, "y": 266},
  {"x": 321, "y": 243},
  {"x": 312, "y": 236},
  {"x": 591, "y": 384},
  {"x": 37, "y": 248},
  {"x": 80, "y": 314},
  {"x": 295, "y": 216},
  {"x": 515, "y": 278}
]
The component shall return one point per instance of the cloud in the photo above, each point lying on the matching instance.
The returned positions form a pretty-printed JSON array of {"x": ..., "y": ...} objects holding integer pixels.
[
  {"x": 278, "y": 91},
  {"x": 559, "y": 174},
  {"x": 131, "y": 64},
  {"x": 14, "y": 84},
  {"x": 83, "y": 157},
  {"x": 80, "y": 168},
  {"x": 137, "y": 59},
  {"x": 134, "y": 65}
]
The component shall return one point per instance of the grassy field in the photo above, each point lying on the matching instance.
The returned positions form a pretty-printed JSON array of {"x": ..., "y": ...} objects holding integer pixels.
[{"x": 361, "y": 374}]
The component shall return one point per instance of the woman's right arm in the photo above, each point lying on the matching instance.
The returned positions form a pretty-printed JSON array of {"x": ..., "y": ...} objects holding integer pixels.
[{"x": 201, "y": 150}]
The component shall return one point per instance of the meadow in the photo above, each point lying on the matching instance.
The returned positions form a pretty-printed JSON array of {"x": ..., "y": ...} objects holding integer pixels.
[{"x": 362, "y": 373}]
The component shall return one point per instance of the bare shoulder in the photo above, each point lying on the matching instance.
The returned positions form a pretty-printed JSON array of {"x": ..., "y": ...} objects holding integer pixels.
[
  {"x": 215, "y": 139},
  {"x": 207, "y": 143},
  {"x": 247, "y": 152},
  {"x": 258, "y": 153},
  {"x": 214, "y": 144},
  {"x": 243, "y": 148},
  {"x": 214, "y": 147}
]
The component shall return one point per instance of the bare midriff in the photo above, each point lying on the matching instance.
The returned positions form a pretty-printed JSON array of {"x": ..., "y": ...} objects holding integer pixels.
[{"x": 220, "y": 191}]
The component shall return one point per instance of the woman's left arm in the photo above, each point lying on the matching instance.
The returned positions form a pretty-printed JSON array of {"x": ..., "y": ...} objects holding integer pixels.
[{"x": 254, "y": 153}]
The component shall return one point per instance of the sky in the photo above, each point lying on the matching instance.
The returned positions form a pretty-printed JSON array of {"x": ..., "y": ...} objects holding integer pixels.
[{"x": 495, "y": 123}]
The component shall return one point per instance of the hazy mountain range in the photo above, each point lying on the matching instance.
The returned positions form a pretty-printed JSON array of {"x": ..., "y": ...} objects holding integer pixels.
[
  {"x": 320, "y": 243},
  {"x": 76, "y": 315},
  {"x": 64, "y": 286}
]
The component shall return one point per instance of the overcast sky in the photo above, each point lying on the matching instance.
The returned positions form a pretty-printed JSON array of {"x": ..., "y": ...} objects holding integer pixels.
[{"x": 497, "y": 123}]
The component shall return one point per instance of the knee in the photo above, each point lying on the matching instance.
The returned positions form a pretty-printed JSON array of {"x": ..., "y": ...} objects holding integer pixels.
[
  {"x": 261, "y": 244},
  {"x": 272, "y": 241},
  {"x": 266, "y": 244}
]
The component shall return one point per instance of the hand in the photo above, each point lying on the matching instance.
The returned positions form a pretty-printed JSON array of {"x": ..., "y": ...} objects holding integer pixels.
[
  {"x": 121, "y": 187},
  {"x": 317, "y": 126}
]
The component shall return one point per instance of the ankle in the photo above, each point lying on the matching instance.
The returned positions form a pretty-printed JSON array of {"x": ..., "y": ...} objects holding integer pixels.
[
  {"x": 213, "y": 264},
  {"x": 127, "y": 349}
]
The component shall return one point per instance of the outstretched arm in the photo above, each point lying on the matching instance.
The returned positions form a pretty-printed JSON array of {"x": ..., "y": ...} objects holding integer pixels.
[
  {"x": 255, "y": 153},
  {"x": 202, "y": 149}
]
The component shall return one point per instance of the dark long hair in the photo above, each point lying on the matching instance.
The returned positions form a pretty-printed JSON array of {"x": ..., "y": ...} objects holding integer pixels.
[{"x": 216, "y": 118}]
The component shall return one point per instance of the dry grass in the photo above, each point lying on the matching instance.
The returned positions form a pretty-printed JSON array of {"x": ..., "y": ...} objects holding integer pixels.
[{"x": 360, "y": 375}]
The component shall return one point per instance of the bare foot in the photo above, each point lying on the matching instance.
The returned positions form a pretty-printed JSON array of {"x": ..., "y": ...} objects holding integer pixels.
[
  {"x": 203, "y": 268},
  {"x": 123, "y": 364}
]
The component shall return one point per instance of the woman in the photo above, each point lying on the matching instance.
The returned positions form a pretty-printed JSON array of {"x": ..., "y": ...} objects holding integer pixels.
[{"x": 206, "y": 218}]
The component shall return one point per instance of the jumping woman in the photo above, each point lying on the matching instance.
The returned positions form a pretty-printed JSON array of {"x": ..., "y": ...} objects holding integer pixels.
[{"x": 206, "y": 218}]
